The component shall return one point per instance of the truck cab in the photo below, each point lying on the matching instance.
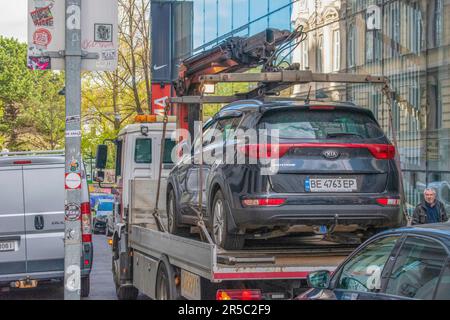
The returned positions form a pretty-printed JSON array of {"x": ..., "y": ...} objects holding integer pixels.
[{"x": 138, "y": 152}]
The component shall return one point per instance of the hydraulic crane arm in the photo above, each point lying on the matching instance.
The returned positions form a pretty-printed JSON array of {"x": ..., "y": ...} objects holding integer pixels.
[{"x": 236, "y": 54}]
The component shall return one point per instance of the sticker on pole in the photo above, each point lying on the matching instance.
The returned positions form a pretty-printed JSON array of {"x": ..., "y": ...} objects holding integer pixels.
[
  {"x": 72, "y": 212},
  {"x": 73, "y": 181},
  {"x": 73, "y": 277},
  {"x": 73, "y": 133}
]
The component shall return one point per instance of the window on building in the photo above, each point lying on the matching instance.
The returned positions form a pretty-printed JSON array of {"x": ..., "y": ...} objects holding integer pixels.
[
  {"x": 304, "y": 62},
  {"x": 374, "y": 45},
  {"x": 240, "y": 13},
  {"x": 438, "y": 22},
  {"x": 319, "y": 54},
  {"x": 351, "y": 45},
  {"x": 336, "y": 50},
  {"x": 394, "y": 29}
]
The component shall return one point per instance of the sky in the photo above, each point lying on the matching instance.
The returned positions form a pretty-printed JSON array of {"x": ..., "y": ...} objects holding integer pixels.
[{"x": 13, "y": 19}]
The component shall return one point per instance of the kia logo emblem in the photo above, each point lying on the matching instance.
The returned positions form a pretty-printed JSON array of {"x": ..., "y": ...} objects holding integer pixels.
[{"x": 331, "y": 154}]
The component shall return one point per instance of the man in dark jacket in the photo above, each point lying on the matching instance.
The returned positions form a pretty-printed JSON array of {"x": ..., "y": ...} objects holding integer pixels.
[{"x": 430, "y": 210}]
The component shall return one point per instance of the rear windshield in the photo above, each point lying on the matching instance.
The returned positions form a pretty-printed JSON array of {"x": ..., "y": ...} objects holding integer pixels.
[
  {"x": 318, "y": 124},
  {"x": 105, "y": 206}
]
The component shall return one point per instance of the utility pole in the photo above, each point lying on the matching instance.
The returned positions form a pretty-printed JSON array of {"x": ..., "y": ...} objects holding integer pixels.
[{"x": 73, "y": 54}]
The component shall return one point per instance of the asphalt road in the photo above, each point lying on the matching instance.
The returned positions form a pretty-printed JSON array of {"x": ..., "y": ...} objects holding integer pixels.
[{"x": 102, "y": 286}]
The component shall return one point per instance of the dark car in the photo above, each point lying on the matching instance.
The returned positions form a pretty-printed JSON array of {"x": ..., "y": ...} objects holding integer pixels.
[
  {"x": 103, "y": 213},
  {"x": 407, "y": 263},
  {"x": 336, "y": 173}
]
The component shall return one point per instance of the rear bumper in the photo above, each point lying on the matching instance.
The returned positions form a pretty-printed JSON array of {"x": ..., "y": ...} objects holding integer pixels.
[
  {"x": 6, "y": 279},
  {"x": 313, "y": 215}
]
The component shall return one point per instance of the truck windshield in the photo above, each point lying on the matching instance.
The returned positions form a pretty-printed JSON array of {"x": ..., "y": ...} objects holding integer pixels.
[{"x": 143, "y": 151}]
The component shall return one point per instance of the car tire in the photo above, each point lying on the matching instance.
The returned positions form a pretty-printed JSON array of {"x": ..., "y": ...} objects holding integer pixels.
[
  {"x": 172, "y": 216},
  {"x": 85, "y": 286},
  {"x": 219, "y": 225}
]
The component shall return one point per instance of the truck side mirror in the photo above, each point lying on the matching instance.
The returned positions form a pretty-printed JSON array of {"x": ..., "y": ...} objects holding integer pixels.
[
  {"x": 101, "y": 157},
  {"x": 99, "y": 176}
]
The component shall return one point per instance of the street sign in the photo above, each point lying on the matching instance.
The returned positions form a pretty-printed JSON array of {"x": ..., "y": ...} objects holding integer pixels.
[{"x": 99, "y": 33}]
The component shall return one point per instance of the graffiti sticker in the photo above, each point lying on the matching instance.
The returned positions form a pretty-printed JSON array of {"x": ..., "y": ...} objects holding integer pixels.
[
  {"x": 74, "y": 165},
  {"x": 73, "y": 133},
  {"x": 103, "y": 32},
  {"x": 108, "y": 55},
  {"x": 72, "y": 212},
  {"x": 73, "y": 119},
  {"x": 39, "y": 63},
  {"x": 42, "y": 37},
  {"x": 42, "y": 17}
]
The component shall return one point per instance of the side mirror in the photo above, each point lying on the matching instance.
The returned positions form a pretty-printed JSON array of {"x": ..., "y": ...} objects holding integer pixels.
[
  {"x": 99, "y": 176},
  {"x": 101, "y": 157},
  {"x": 319, "y": 279}
]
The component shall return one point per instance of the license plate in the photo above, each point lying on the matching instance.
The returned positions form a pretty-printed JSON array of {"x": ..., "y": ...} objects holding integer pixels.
[
  {"x": 7, "y": 246},
  {"x": 330, "y": 185},
  {"x": 190, "y": 285}
]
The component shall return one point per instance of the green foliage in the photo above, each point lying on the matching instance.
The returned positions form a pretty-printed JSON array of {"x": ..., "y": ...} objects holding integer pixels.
[{"x": 31, "y": 111}]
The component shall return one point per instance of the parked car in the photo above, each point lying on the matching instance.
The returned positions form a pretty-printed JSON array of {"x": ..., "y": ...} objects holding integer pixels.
[
  {"x": 103, "y": 216},
  {"x": 406, "y": 263},
  {"x": 32, "y": 225},
  {"x": 336, "y": 173}
]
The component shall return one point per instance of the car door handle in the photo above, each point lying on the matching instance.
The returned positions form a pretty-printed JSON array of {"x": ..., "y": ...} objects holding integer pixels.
[{"x": 39, "y": 222}]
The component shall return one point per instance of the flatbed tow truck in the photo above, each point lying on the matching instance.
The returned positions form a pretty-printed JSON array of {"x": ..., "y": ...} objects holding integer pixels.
[{"x": 148, "y": 259}]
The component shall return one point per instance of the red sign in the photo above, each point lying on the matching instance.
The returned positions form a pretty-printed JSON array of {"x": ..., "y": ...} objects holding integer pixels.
[
  {"x": 160, "y": 95},
  {"x": 42, "y": 37},
  {"x": 73, "y": 181}
]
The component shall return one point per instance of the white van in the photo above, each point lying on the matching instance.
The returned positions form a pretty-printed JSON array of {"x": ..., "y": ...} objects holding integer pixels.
[{"x": 32, "y": 220}]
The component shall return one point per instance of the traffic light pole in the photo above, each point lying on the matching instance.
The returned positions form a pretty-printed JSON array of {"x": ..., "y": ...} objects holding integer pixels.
[{"x": 72, "y": 238}]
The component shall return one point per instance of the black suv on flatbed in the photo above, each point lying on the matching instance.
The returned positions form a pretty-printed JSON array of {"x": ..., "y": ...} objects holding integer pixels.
[{"x": 335, "y": 173}]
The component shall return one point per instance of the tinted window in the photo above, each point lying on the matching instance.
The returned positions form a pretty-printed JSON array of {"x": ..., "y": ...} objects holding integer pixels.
[
  {"x": 305, "y": 124},
  {"x": 168, "y": 147},
  {"x": 143, "y": 151},
  {"x": 443, "y": 290},
  {"x": 363, "y": 272},
  {"x": 417, "y": 269}
]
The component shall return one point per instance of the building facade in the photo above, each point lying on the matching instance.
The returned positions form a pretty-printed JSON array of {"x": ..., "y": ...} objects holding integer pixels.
[{"x": 405, "y": 40}]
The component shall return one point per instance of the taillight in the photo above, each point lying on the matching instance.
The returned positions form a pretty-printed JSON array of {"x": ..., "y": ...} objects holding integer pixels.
[
  {"x": 382, "y": 151},
  {"x": 22, "y": 162},
  {"x": 271, "y": 151},
  {"x": 86, "y": 232},
  {"x": 263, "y": 202},
  {"x": 322, "y": 108},
  {"x": 238, "y": 294},
  {"x": 388, "y": 201}
]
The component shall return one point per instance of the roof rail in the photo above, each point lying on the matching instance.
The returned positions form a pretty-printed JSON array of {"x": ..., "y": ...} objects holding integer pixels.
[{"x": 31, "y": 153}]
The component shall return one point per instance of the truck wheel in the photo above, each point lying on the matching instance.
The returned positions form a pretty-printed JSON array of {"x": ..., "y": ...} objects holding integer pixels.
[
  {"x": 172, "y": 217},
  {"x": 85, "y": 287},
  {"x": 127, "y": 293},
  {"x": 162, "y": 283},
  {"x": 166, "y": 289},
  {"x": 220, "y": 216}
]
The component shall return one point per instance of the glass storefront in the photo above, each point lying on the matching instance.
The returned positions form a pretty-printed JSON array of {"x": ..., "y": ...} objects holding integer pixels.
[{"x": 405, "y": 40}]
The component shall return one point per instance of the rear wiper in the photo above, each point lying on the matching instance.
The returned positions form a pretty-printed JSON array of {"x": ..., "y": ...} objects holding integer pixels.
[{"x": 342, "y": 134}]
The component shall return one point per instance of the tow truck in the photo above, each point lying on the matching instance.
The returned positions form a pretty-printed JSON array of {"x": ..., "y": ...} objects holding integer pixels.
[{"x": 148, "y": 259}]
